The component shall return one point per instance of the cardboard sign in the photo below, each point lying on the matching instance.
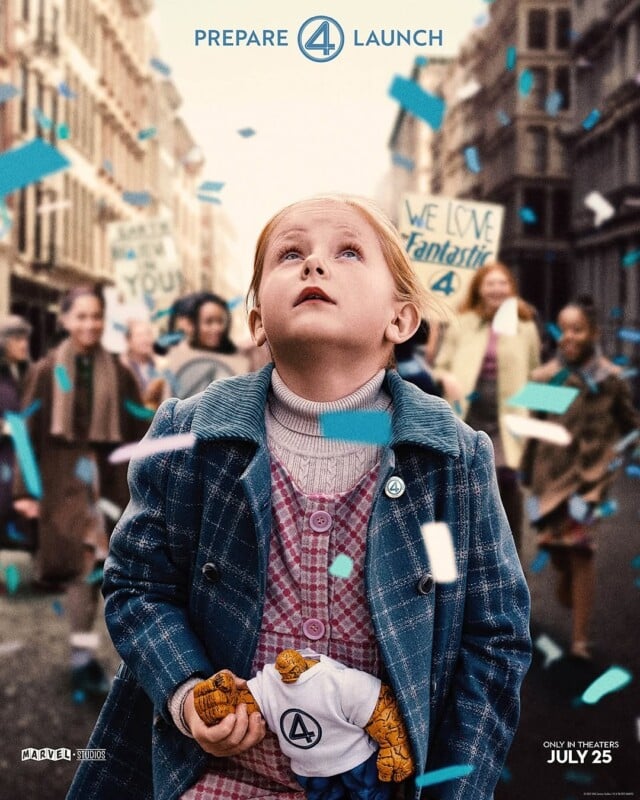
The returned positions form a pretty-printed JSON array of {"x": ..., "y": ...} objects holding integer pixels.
[{"x": 448, "y": 239}]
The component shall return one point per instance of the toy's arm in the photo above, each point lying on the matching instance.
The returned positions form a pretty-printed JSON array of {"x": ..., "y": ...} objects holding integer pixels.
[
  {"x": 218, "y": 696},
  {"x": 385, "y": 726}
]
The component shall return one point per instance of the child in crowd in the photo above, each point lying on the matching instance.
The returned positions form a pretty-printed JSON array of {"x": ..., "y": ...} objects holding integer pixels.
[
  {"x": 569, "y": 483},
  {"x": 222, "y": 557}
]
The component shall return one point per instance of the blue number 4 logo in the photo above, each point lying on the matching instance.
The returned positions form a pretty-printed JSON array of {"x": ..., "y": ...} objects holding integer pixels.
[{"x": 316, "y": 42}]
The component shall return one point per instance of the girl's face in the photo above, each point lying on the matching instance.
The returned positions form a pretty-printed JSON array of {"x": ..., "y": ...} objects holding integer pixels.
[
  {"x": 212, "y": 323},
  {"x": 578, "y": 337},
  {"x": 84, "y": 322},
  {"x": 325, "y": 281},
  {"x": 495, "y": 289},
  {"x": 17, "y": 348}
]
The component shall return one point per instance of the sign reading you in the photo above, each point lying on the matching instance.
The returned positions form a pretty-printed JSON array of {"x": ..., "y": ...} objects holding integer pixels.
[
  {"x": 145, "y": 261},
  {"x": 448, "y": 239}
]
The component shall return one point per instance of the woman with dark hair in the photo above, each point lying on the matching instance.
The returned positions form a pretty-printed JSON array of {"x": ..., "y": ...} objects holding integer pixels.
[
  {"x": 209, "y": 354},
  {"x": 83, "y": 390},
  {"x": 480, "y": 368}
]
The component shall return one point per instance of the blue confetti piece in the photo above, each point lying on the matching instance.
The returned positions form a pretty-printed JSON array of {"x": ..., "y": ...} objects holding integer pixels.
[
  {"x": 78, "y": 697},
  {"x": 526, "y": 82},
  {"x": 629, "y": 335},
  {"x": 29, "y": 163},
  {"x": 578, "y": 508},
  {"x": 160, "y": 66},
  {"x": 528, "y": 215},
  {"x": 367, "y": 427},
  {"x": 66, "y": 91},
  {"x": 540, "y": 561},
  {"x": 6, "y": 473},
  {"x": 246, "y": 133},
  {"x": 621, "y": 361},
  {"x": 14, "y": 534},
  {"x": 511, "y": 58},
  {"x": 554, "y": 331},
  {"x": 614, "y": 679},
  {"x": 149, "y": 302},
  {"x": 532, "y": 506},
  {"x": 85, "y": 470},
  {"x": 472, "y": 397},
  {"x": 633, "y": 470},
  {"x": 506, "y": 774},
  {"x": 8, "y": 92},
  {"x": 573, "y": 776},
  {"x": 341, "y": 567},
  {"x": 162, "y": 312},
  {"x": 629, "y": 373},
  {"x": 119, "y": 326},
  {"x": 544, "y": 397},
  {"x": 209, "y": 198},
  {"x": 24, "y": 454},
  {"x": 141, "y": 199},
  {"x": 146, "y": 133},
  {"x": 472, "y": 159},
  {"x": 481, "y": 20},
  {"x": 169, "y": 339},
  {"x": 6, "y": 219},
  {"x": 616, "y": 312},
  {"x": 235, "y": 302},
  {"x": 444, "y": 774},
  {"x": 631, "y": 258},
  {"x": 417, "y": 101},
  {"x": 62, "y": 131},
  {"x": 591, "y": 120},
  {"x": 58, "y": 608},
  {"x": 107, "y": 166},
  {"x": 457, "y": 407},
  {"x": 42, "y": 119},
  {"x": 96, "y": 576},
  {"x": 606, "y": 509},
  {"x": 553, "y": 103},
  {"x": 12, "y": 578},
  {"x": 138, "y": 411},
  {"x": 615, "y": 464},
  {"x": 62, "y": 378},
  {"x": 31, "y": 409},
  {"x": 403, "y": 161},
  {"x": 421, "y": 61},
  {"x": 211, "y": 186},
  {"x": 635, "y": 562},
  {"x": 503, "y": 118}
]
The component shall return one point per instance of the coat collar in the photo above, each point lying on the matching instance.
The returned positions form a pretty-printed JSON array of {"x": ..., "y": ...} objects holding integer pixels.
[{"x": 234, "y": 409}]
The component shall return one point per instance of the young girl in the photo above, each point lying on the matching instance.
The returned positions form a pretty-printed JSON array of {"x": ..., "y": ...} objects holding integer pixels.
[
  {"x": 222, "y": 558},
  {"x": 568, "y": 483},
  {"x": 82, "y": 390}
]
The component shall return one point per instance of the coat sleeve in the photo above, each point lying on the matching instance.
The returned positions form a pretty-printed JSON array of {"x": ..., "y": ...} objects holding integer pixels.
[
  {"x": 444, "y": 359},
  {"x": 145, "y": 588},
  {"x": 483, "y": 707},
  {"x": 534, "y": 348}
]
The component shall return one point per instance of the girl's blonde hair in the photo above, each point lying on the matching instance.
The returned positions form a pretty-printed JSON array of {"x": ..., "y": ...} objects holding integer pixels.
[{"x": 408, "y": 285}]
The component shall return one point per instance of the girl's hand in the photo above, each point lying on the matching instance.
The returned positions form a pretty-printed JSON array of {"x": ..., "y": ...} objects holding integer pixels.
[
  {"x": 27, "y": 507},
  {"x": 234, "y": 734}
]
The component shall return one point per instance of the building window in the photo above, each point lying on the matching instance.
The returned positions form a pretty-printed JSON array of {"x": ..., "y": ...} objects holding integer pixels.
[
  {"x": 563, "y": 29},
  {"x": 622, "y": 141},
  {"x": 535, "y": 199},
  {"x": 25, "y": 10},
  {"x": 560, "y": 213},
  {"x": 537, "y": 29},
  {"x": 22, "y": 221},
  {"x": 37, "y": 233},
  {"x": 24, "y": 99},
  {"x": 563, "y": 85},
  {"x": 538, "y": 149},
  {"x": 538, "y": 94},
  {"x": 622, "y": 40}
]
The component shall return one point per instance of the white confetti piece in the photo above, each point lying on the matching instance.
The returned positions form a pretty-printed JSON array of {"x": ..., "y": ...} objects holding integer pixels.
[
  {"x": 505, "y": 320},
  {"x": 468, "y": 90},
  {"x": 600, "y": 206},
  {"x": 6, "y": 648},
  {"x": 110, "y": 509},
  {"x": 149, "y": 447},
  {"x": 548, "y": 648},
  {"x": 439, "y": 546},
  {"x": 537, "y": 429}
]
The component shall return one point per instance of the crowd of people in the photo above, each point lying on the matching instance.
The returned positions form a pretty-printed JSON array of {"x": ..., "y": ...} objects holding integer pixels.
[{"x": 90, "y": 401}]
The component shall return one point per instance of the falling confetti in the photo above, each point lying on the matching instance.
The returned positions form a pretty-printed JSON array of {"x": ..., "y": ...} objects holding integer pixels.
[
  {"x": 208, "y": 198},
  {"x": 623, "y": 443},
  {"x": 629, "y": 335},
  {"x": 341, "y": 567},
  {"x": 532, "y": 504},
  {"x": 146, "y": 133},
  {"x": 591, "y": 120},
  {"x": 246, "y": 133},
  {"x": 138, "y": 411},
  {"x": 12, "y": 646},
  {"x": 368, "y": 427},
  {"x": 503, "y": 118},
  {"x": 96, "y": 576},
  {"x": 537, "y": 429},
  {"x": 614, "y": 679},
  {"x": 109, "y": 509},
  {"x": 137, "y": 198},
  {"x": 402, "y": 161},
  {"x": 439, "y": 546},
  {"x": 553, "y": 103},
  {"x": 528, "y": 215},
  {"x": 8, "y": 92},
  {"x": 413, "y": 98},
  {"x": 444, "y": 774},
  {"x": 12, "y": 578},
  {"x": 150, "y": 446},
  {"x": 85, "y": 470},
  {"x": 160, "y": 66},
  {"x": 606, "y": 509},
  {"x": 548, "y": 648},
  {"x": 29, "y": 163},
  {"x": 62, "y": 378},
  {"x": 421, "y": 61},
  {"x": 526, "y": 82},
  {"x": 169, "y": 339},
  {"x": 600, "y": 206},
  {"x": 66, "y": 91},
  {"x": 469, "y": 90},
  {"x": 472, "y": 159},
  {"x": 505, "y": 320},
  {"x": 511, "y": 58},
  {"x": 62, "y": 131},
  {"x": 544, "y": 397},
  {"x": 42, "y": 119},
  {"x": 24, "y": 454},
  {"x": 578, "y": 508},
  {"x": 211, "y": 186},
  {"x": 58, "y": 608},
  {"x": 554, "y": 331},
  {"x": 631, "y": 259},
  {"x": 540, "y": 561}
]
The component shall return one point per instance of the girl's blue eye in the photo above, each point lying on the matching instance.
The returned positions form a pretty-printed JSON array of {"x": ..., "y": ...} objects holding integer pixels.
[
  {"x": 350, "y": 253},
  {"x": 290, "y": 255}
]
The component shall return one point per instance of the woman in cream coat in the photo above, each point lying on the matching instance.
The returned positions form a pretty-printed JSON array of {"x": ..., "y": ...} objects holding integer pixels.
[{"x": 480, "y": 369}]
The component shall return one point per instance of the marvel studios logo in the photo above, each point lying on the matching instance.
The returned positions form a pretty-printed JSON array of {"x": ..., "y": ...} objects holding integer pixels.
[{"x": 63, "y": 754}]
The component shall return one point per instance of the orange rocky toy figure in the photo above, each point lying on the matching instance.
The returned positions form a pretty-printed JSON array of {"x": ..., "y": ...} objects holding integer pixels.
[{"x": 340, "y": 727}]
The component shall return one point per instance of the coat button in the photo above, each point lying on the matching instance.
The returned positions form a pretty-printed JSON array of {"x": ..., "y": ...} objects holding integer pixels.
[
  {"x": 313, "y": 628},
  {"x": 320, "y": 521},
  {"x": 211, "y": 572},
  {"x": 425, "y": 584},
  {"x": 394, "y": 487}
]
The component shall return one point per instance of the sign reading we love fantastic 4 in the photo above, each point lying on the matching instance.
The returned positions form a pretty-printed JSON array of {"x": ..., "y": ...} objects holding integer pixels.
[{"x": 448, "y": 239}]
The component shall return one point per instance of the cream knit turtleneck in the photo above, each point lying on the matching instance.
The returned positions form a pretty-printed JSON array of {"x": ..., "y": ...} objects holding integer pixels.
[{"x": 316, "y": 464}]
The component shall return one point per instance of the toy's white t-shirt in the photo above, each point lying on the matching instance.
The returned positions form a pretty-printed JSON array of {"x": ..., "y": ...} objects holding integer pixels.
[{"x": 319, "y": 719}]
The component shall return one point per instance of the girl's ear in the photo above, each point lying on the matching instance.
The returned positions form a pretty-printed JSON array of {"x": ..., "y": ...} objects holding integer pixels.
[
  {"x": 255, "y": 326},
  {"x": 404, "y": 324}
]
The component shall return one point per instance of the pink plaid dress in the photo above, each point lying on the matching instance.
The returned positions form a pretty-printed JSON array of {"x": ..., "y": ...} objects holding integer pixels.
[{"x": 304, "y": 607}]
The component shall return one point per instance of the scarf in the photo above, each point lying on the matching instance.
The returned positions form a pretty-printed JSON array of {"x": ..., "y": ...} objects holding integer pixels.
[{"x": 105, "y": 408}]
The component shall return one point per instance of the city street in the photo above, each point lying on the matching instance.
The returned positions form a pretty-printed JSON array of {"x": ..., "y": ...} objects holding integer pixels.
[{"x": 37, "y": 709}]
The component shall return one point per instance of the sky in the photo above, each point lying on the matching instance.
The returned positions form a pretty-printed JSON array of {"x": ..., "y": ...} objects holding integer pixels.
[{"x": 319, "y": 126}]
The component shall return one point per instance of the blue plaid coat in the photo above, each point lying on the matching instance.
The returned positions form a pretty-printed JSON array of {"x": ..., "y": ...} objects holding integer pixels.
[{"x": 185, "y": 582}]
